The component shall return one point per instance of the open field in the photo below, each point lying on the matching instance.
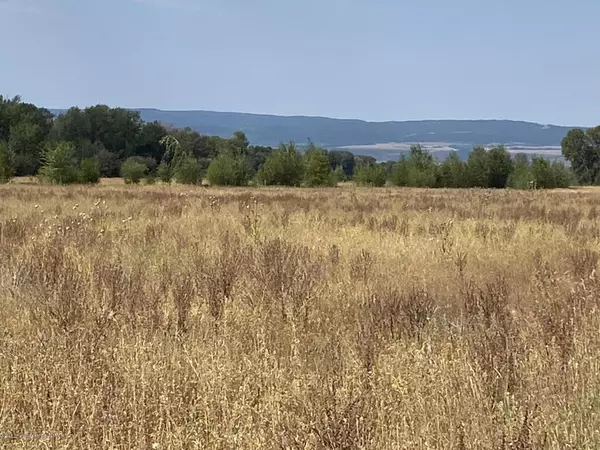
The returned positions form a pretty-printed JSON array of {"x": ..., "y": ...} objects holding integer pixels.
[{"x": 169, "y": 317}]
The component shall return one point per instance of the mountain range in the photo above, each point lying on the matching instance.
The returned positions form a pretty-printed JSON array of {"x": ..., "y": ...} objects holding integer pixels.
[{"x": 384, "y": 140}]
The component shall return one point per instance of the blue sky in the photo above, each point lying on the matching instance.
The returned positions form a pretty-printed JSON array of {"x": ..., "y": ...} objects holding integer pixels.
[{"x": 369, "y": 59}]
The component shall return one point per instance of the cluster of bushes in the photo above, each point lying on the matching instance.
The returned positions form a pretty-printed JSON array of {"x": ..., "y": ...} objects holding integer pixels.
[
  {"x": 494, "y": 168},
  {"x": 287, "y": 166}
]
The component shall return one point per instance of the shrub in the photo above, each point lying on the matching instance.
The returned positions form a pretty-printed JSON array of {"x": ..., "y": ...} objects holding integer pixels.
[
  {"x": 147, "y": 161},
  {"x": 549, "y": 175},
  {"x": 284, "y": 167},
  {"x": 58, "y": 166},
  {"x": 540, "y": 174},
  {"x": 565, "y": 177},
  {"x": 188, "y": 171},
  {"x": 452, "y": 172},
  {"x": 90, "y": 172},
  {"x": 370, "y": 175},
  {"x": 339, "y": 175},
  {"x": 418, "y": 170},
  {"x": 400, "y": 172},
  {"x": 521, "y": 176},
  {"x": 6, "y": 163},
  {"x": 164, "y": 173},
  {"x": 108, "y": 163},
  {"x": 229, "y": 170},
  {"x": 317, "y": 168},
  {"x": 133, "y": 171}
]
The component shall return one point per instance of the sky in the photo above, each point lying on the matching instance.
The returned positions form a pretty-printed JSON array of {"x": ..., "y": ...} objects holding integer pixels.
[{"x": 377, "y": 60}]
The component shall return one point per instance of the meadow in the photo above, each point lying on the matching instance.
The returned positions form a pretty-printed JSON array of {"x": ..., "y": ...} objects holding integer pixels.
[{"x": 154, "y": 317}]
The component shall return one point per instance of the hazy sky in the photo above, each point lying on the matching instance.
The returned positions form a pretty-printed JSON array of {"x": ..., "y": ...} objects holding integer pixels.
[{"x": 371, "y": 59}]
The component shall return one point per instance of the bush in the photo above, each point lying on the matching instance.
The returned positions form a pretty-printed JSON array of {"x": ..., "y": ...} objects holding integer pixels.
[
  {"x": 540, "y": 174},
  {"x": 521, "y": 176},
  {"x": 549, "y": 175},
  {"x": 90, "y": 172},
  {"x": 164, "y": 173},
  {"x": 147, "y": 161},
  {"x": 452, "y": 172},
  {"x": 565, "y": 177},
  {"x": 6, "y": 163},
  {"x": 108, "y": 163},
  {"x": 58, "y": 164},
  {"x": 418, "y": 170},
  {"x": 229, "y": 170},
  {"x": 370, "y": 175},
  {"x": 317, "y": 168},
  {"x": 339, "y": 175},
  {"x": 133, "y": 171},
  {"x": 188, "y": 171},
  {"x": 283, "y": 167}
]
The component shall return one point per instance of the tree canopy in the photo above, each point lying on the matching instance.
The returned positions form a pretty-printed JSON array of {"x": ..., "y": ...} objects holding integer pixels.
[{"x": 83, "y": 144}]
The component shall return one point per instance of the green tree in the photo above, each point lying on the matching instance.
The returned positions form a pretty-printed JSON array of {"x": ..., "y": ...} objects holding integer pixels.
[
  {"x": 521, "y": 176},
  {"x": 284, "y": 166},
  {"x": 478, "y": 171},
  {"x": 582, "y": 150},
  {"x": 72, "y": 126},
  {"x": 343, "y": 159},
  {"x": 452, "y": 172},
  {"x": 238, "y": 143},
  {"x": 500, "y": 166},
  {"x": 543, "y": 174},
  {"x": 316, "y": 172},
  {"x": 164, "y": 173},
  {"x": 364, "y": 159},
  {"x": 108, "y": 163},
  {"x": 229, "y": 170},
  {"x": 6, "y": 163},
  {"x": 90, "y": 172},
  {"x": 188, "y": 171},
  {"x": 370, "y": 175},
  {"x": 58, "y": 164},
  {"x": 564, "y": 176},
  {"x": 401, "y": 172},
  {"x": 338, "y": 175},
  {"x": 133, "y": 171},
  {"x": 258, "y": 156},
  {"x": 418, "y": 170},
  {"x": 150, "y": 141},
  {"x": 24, "y": 143}
]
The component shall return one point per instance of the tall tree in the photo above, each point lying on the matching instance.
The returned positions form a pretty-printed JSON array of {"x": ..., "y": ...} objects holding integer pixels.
[
  {"x": 500, "y": 166},
  {"x": 316, "y": 172},
  {"x": 478, "y": 169},
  {"x": 582, "y": 150}
]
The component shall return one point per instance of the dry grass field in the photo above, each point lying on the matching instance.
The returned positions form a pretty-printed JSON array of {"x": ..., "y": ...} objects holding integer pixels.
[{"x": 152, "y": 317}]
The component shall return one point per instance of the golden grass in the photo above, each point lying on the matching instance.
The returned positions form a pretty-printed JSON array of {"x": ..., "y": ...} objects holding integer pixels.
[{"x": 170, "y": 317}]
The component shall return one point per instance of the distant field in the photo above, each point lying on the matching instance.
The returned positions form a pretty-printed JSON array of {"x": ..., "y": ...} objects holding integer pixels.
[{"x": 180, "y": 317}]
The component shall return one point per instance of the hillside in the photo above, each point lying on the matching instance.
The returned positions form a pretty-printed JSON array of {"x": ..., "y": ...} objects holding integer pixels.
[{"x": 270, "y": 130}]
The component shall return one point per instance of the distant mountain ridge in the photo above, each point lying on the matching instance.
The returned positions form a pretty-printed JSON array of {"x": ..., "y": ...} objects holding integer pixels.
[
  {"x": 262, "y": 129},
  {"x": 271, "y": 129}
]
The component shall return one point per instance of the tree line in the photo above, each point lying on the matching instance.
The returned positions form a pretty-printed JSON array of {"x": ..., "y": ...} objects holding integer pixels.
[{"x": 83, "y": 145}]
